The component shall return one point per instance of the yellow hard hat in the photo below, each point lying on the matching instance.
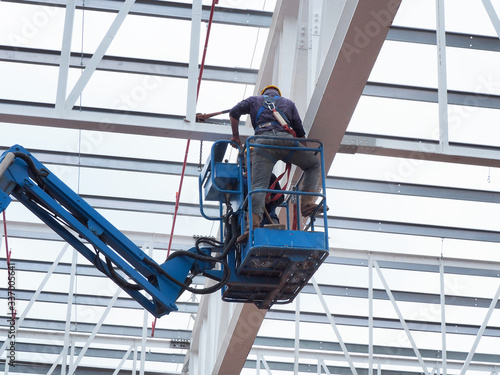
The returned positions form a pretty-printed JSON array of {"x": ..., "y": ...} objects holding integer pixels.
[{"x": 270, "y": 87}]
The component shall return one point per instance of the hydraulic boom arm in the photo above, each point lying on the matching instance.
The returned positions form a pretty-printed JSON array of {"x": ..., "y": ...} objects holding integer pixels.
[{"x": 156, "y": 287}]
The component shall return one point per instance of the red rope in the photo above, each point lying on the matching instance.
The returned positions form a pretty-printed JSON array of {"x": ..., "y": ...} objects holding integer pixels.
[
  {"x": 273, "y": 185},
  {"x": 205, "y": 48},
  {"x": 178, "y": 194},
  {"x": 153, "y": 328},
  {"x": 295, "y": 214},
  {"x": 214, "y": 2}
]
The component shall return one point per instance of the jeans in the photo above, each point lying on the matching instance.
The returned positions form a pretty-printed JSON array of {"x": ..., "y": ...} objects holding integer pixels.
[{"x": 264, "y": 159}]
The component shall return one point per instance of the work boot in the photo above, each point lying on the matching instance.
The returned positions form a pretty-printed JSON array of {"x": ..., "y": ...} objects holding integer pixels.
[
  {"x": 255, "y": 224},
  {"x": 308, "y": 205}
]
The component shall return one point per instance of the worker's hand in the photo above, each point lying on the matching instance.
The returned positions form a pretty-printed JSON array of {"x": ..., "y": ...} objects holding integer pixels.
[
  {"x": 201, "y": 117},
  {"x": 236, "y": 139}
]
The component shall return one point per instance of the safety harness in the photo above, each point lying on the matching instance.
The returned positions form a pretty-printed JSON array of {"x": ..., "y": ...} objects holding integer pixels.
[
  {"x": 279, "y": 115},
  {"x": 281, "y": 119}
]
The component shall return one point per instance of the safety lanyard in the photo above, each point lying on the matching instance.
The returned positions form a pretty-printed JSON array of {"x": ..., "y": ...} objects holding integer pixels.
[
  {"x": 270, "y": 103},
  {"x": 273, "y": 185}
]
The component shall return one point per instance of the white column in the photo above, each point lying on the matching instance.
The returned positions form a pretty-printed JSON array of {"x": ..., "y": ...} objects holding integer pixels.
[
  {"x": 194, "y": 56},
  {"x": 442, "y": 82}
]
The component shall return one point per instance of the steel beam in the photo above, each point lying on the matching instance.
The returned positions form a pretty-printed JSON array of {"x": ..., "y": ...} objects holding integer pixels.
[
  {"x": 370, "y": 315},
  {"x": 333, "y": 324},
  {"x": 347, "y": 65},
  {"x": 105, "y": 120},
  {"x": 342, "y": 76},
  {"x": 167, "y": 9},
  {"x": 480, "y": 332},
  {"x": 270, "y": 365},
  {"x": 420, "y": 150},
  {"x": 402, "y": 320},
  {"x": 222, "y": 336},
  {"x": 327, "y": 290},
  {"x": 352, "y": 143},
  {"x": 388, "y": 362},
  {"x": 125, "y": 65},
  {"x": 457, "y": 40},
  {"x": 442, "y": 77},
  {"x": 334, "y": 348},
  {"x": 36, "y": 293},
  {"x": 96, "y": 353},
  {"x": 458, "y": 266},
  {"x": 425, "y": 230},
  {"x": 442, "y": 299},
  {"x": 79, "y": 338},
  {"x": 408, "y": 189},
  {"x": 430, "y": 95},
  {"x": 64, "y": 64},
  {"x": 114, "y": 330},
  {"x": 384, "y": 323},
  {"x": 492, "y": 15},
  {"x": 76, "y": 363},
  {"x": 90, "y": 300},
  {"x": 193, "y": 66},
  {"x": 41, "y": 368},
  {"x": 154, "y": 124},
  {"x": 267, "y": 347},
  {"x": 69, "y": 311},
  {"x": 98, "y": 55}
]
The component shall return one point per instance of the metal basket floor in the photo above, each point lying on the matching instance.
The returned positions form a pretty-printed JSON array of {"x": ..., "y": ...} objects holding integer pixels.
[{"x": 278, "y": 272}]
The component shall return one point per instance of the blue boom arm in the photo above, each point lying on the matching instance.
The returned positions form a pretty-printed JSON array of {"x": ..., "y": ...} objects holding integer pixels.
[{"x": 156, "y": 287}]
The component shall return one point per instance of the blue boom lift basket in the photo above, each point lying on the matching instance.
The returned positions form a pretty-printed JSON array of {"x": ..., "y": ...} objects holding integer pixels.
[{"x": 273, "y": 265}]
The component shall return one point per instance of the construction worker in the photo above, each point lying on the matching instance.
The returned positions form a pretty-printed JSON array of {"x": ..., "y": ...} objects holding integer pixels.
[{"x": 276, "y": 117}]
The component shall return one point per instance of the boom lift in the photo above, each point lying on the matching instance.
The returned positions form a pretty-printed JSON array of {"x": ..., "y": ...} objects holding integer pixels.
[{"x": 271, "y": 267}]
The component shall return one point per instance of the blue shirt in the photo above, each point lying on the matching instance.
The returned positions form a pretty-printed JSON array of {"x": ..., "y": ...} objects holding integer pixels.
[{"x": 251, "y": 106}]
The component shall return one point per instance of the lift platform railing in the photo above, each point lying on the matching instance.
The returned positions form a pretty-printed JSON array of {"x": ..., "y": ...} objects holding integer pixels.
[
  {"x": 294, "y": 195},
  {"x": 273, "y": 265}
]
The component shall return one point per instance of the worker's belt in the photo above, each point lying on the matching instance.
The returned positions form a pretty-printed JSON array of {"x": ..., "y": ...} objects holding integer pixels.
[
  {"x": 262, "y": 127},
  {"x": 267, "y": 124}
]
